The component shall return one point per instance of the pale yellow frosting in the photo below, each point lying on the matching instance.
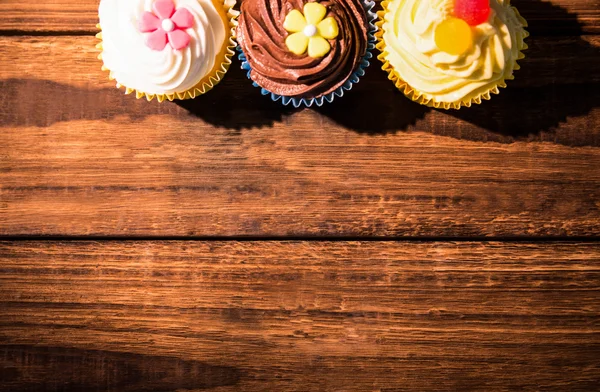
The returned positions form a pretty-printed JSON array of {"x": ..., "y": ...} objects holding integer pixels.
[{"x": 442, "y": 79}]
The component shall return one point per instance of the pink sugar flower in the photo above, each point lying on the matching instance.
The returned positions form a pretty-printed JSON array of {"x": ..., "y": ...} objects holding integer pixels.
[{"x": 166, "y": 25}]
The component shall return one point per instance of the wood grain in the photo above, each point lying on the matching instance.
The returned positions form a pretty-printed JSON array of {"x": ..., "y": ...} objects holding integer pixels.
[
  {"x": 79, "y": 158},
  {"x": 298, "y": 316},
  {"x": 80, "y": 17}
]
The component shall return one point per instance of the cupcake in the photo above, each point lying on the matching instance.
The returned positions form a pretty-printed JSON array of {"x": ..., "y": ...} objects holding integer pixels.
[
  {"x": 450, "y": 53},
  {"x": 168, "y": 49},
  {"x": 305, "y": 52}
]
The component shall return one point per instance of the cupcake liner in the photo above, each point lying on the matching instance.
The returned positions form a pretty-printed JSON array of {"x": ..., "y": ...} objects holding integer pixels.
[
  {"x": 419, "y": 97},
  {"x": 339, "y": 92},
  {"x": 210, "y": 80}
]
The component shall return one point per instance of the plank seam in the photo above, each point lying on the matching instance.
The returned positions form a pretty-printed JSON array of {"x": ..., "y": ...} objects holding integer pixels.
[
  {"x": 78, "y": 33},
  {"x": 44, "y": 33},
  {"x": 307, "y": 238}
]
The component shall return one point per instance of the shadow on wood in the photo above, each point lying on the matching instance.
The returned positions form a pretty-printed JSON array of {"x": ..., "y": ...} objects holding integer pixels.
[
  {"x": 520, "y": 111},
  {"x": 516, "y": 112},
  {"x": 69, "y": 369},
  {"x": 236, "y": 104}
]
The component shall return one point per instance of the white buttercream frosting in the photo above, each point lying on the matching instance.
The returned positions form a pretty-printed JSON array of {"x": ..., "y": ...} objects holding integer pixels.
[
  {"x": 134, "y": 65},
  {"x": 409, "y": 35}
]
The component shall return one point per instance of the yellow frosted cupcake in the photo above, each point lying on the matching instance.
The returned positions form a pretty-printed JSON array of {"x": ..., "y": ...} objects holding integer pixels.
[
  {"x": 450, "y": 53},
  {"x": 168, "y": 49}
]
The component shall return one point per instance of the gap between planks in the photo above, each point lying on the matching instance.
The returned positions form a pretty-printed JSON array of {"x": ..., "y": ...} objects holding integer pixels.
[{"x": 285, "y": 239}]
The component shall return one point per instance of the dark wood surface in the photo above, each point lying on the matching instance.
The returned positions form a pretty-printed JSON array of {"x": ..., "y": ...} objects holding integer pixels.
[
  {"x": 305, "y": 316},
  {"x": 82, "y": 158},
  {"x": 230, "y": 244}
]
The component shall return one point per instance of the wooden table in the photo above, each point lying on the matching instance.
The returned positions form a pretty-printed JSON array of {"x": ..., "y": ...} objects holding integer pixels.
[{"x": 230, "y": 244}]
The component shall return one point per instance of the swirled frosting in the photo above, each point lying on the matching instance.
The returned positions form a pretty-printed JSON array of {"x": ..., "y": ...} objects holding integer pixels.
[
  {"x": 134, "y": 65},
  {"x": 410, "y": 48},
  {"x": 262, "y": 38}
]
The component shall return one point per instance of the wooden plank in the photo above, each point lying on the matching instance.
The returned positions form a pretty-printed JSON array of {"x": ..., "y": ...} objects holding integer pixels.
[
  {"x": 555, "y": 17},
  {"x": 549, "y": 61},
  {"x": 568, "y": 17},
  {"x": 77, "y": 157},
  {"x": 298, "y": 316},
  {"x": 77, "y": 16}
]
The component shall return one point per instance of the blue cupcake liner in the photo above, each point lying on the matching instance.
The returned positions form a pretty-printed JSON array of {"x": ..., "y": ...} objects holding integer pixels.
[{"x": 339, "y": 92}]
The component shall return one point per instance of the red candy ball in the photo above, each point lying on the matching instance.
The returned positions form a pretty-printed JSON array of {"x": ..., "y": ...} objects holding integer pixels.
[{"x": 474, "y": 12}]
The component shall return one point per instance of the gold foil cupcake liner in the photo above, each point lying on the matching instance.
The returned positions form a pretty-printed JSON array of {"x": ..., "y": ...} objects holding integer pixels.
[
  {"x": 211, "y": 79},
  {"x": 420, "y": 97}
]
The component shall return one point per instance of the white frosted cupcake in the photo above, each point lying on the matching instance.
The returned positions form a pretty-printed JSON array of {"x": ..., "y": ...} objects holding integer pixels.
[{"x": 168, "y": 49}]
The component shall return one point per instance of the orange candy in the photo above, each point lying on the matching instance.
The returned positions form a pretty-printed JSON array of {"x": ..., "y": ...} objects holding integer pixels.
[
  {"x": 474, "y": 12},
  {"x": 454, "y": 36}
]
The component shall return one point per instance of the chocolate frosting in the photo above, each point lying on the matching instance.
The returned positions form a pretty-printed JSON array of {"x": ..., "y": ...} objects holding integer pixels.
[{"x": 262, "y": 38}]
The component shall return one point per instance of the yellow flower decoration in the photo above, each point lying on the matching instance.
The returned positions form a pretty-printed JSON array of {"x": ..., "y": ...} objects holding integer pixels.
[{"x": 310, "y": 30}]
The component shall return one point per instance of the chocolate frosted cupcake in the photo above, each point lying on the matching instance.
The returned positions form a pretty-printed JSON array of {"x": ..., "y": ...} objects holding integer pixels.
[{"x": 305, "y": 52}]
